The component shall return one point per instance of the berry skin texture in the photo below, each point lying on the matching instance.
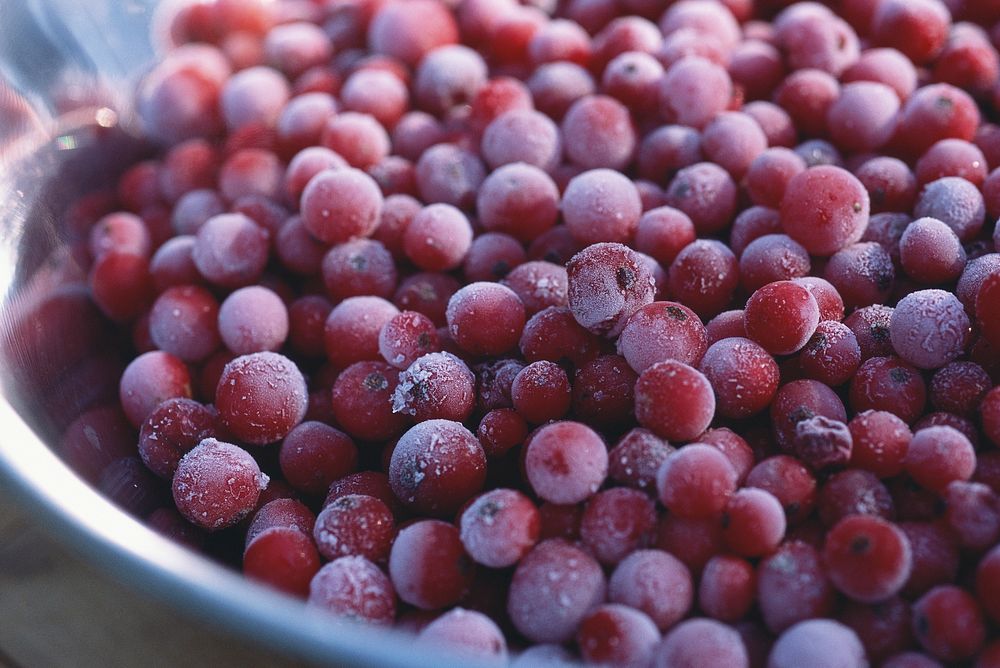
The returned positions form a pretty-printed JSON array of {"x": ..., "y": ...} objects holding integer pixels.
[
  {"x": 466, "y": 634},
  {"x": 674, "y": 401},
  {"x": 823, "y": 643},
  {"x": 314, "y": 454},
  {"x": 173, "y": 429},
  {"x": 499, "y": 527},
  {"x": 217, "y": 484},
  {"x": 661, "y": 331},
  {"x": 608, "y": 282},
  {"x": 879, "y": 442},
  {"x": 696, "y": 482},
  {"x": 553, "y": 588},
  {"x": 485, "y": 318},
  {"x": 183, "y": 322},
  {"x": 889, "y": 384},
  {"x": 825, "y": 209},
  {"x": 790, "y": 482},
  {"x": 435, "y": 386},
  {"x": 832, "y": 355},
  {"x": 616, "y": 522},
  {"x": 150, "y": 379},
  {"x": 427, "y": 565},
  {"x": 636, "y": 458},
  {"x": 792, "y": 586},
  {"x": 354, "y": 524},
  {"x": 930, "y": 252},
  {"x": 937, "y": 456},
  {"x": 743, "y": 376},
  {"x": 655, "y": 582},
  {"x": 601, "y": 205},
  {"x": 362, "y": 401},
  {"x": 867, "y": 558},
  {"x": 283, "y": 558},
  {"x": 704, "y": 276},
  {"x": 437, "y": 466},
  {"x": 566, "y": 462},
  {"x": 261, "y": 397},
  {"x": 753, "y": 523},
  {"x": 702, "y": 643},
  {"x": 618, "y": 635},
  {"x": 356, "y": 589},
  {"x": 781, "y": 317},
  {"x": 948, "y": 623},
  {"x": 727, "y": 588},
  {"x": 929, "y": 328},
  {"x": 339, "y": 204}
]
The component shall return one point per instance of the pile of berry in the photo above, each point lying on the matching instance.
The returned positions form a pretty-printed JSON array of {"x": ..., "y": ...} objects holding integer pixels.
[{"x": 636, "y": 332}]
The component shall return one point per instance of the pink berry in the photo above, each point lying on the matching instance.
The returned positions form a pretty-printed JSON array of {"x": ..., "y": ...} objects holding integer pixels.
[
  {"x": 217, "y": 484},
  {"x": 499, "y": 527},
  {"x": 566, "y": 462},
  {"x": 696, "y": 482},
  {"x": 553, "y": 588}
]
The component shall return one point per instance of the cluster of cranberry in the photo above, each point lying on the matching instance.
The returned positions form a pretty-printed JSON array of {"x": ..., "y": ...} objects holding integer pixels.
[{"x": 647, "y": 333}]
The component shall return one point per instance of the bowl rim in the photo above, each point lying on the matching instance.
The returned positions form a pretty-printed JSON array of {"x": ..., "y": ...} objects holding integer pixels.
[{"x": 56, "y": 500}]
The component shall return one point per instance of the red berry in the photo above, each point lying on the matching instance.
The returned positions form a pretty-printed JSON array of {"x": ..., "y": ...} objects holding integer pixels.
[
  {"x": 792, "y": 586},
  {"x": 261, "y": 397},
  {"x": 753, "y": 523},
  {"x": 867, "y": 558},
  {"x": 617, "y": 634},
  {"x": 838, "y": 221},
  {"x": 354, "y": 588},
  {"x": 437, "y": 466},
  {"x": 674, "y": 400},
  {"x": 948, "y": 623},
  {"x": 566, "y": 462},
  {"x": 283, "y": 558},
  {"x": 727, "y": 588},
  {"x": 701, "y": 643},
  {"x": 696, "y": 482},
  {"x": 817, "y": 641},
  {"x": 466, "y": 634},
  {"x": 553, "y": 588},
  {"x": 781, "y": 317},
  {"x": 217, "y": 484},
  {"x": 499, "y": 527}
]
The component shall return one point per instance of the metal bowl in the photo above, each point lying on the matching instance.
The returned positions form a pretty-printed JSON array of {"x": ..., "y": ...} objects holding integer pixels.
[{"x": 67, "y": 70}]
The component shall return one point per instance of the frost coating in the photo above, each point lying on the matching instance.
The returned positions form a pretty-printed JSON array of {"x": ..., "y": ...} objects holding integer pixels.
[
  {"x": 662, "y": 331},
  {"x": 354, "y": 524},
  {"x": 702, "y": 642},
  {"x": 437, "y": 466},
  {"x": 822, "y": 643},
  {"x": 499, "y": 528},
  {"x": 354, "y": 589},
  {"x": 608, "y": 282},
  {"x": 655, "y": 582},
  {"x": 601, "y": 205},
  {"x": 435, "y": 386},
  {"x": 468, "y": 634},
  {"x": 637, "y": 457},
  {"x": 539, "y": 284},
  {"x": 955, "y": 202},
  {"x": 553, "y": 588},
  {"x": 929, "y": 328},
  {"x": 261, "y": 397},
  {"x": 217, "y": 484},
  {"x": 566, "y": 462}
]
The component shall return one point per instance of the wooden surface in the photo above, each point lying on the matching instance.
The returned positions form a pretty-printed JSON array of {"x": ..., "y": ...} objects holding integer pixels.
[{"x": 57, "y": 611}]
